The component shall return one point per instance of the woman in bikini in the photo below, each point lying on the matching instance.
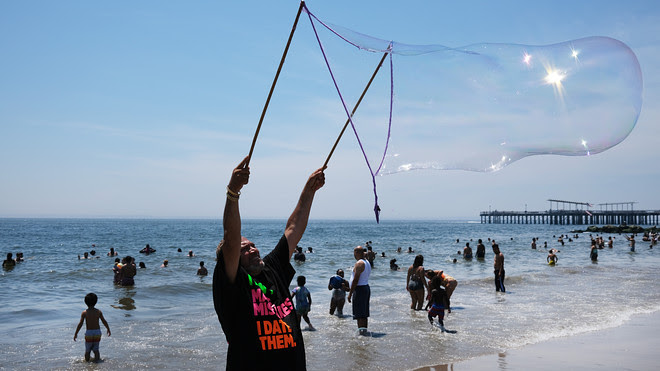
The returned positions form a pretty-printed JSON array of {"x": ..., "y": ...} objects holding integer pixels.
[{"x": 416, "y": 283}]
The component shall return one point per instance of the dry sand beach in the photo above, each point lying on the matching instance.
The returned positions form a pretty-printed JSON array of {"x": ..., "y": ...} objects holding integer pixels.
[{"x": 633, "y": 346}]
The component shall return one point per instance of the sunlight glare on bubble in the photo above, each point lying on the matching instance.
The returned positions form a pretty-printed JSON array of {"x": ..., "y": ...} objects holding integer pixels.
[
  {"x": 405, "y": 167},
  {"x": 584, "y": 144},
  {"x": 554, "y": 77},
  {"x": 527, "y": 58}
]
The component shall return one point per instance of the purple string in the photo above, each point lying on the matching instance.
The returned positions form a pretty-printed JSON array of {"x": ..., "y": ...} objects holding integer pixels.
[{"x": 350, "y": 118}]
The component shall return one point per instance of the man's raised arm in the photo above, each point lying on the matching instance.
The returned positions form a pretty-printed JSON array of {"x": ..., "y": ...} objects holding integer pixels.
[
  {"x": 297, "y": 223},
  {"x": 231, "y": 220}
]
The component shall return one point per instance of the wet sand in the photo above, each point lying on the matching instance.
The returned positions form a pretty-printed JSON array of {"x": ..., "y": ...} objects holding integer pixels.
[{"x": 632, "y": 346}]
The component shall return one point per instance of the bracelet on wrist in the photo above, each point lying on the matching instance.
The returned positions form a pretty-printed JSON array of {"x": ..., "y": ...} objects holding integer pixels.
[
  {"x": 235, "y": 194},
  {"x": 230, "y": 197}
]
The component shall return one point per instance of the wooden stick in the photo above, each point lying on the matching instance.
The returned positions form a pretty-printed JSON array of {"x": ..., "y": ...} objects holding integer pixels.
[
  {"x": 272, "y": 87},
  {"x": 355, "y": 108}
]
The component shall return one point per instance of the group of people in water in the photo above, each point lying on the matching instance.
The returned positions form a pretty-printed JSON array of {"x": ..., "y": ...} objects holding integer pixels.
[
  {"x": 597, "y": 243},
  {"x": 433, "y": 287},
  {"x": 125, "y": 269}
]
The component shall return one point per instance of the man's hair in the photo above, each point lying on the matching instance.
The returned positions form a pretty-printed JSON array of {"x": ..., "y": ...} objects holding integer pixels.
[
  {"x": 302, "y": 280},
  {"x": 91, "y": 299}
]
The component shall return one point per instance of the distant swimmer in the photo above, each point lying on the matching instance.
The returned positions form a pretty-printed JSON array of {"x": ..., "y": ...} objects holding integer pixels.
[
  {"x": 370, "y": 254},
  {"x": 116, "y": 269},
  {"x": 552, "y": 257},
  {"x": 499, "y": 268},
  {"x": 481, "y": 250},
  {"x": 147, "y": 250},
  {"x": 594, "y": 252},
  {"x": 9, "y": 262},
  {"x": 393, "y": 265},
  {"x": 533, "y": 243},
  {"x": 127, "y": 271},
  {"x": 299, "y": 256},
  {"x": 112, "y": 252},
  {"x": 202, "y": 271},
  {"x": 467, "y": 251},
  {"x": 632, "y": 242}
]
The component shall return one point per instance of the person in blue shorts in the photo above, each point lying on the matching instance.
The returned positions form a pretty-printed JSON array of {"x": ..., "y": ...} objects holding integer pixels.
[
  {"x": 438, "y": 302},
  {"x": 467, "y": 251},
  {"x": 91, "y": 317}
]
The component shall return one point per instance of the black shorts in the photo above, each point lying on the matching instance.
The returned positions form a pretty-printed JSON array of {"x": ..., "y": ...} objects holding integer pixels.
[{"x": 361, "y": 298}]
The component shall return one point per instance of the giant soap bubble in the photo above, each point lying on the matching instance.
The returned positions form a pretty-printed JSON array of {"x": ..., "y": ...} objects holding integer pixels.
[{"x": 483, "y": 106}]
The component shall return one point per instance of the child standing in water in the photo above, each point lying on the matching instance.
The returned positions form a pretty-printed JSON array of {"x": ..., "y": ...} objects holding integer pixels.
[
  {"x": 91, "y": 317},
  {"x": 438, "y": 302},
  {"x": 303, "y": 301}
]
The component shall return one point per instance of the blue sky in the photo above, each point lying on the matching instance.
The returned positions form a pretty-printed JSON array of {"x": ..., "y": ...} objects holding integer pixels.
[{"x": 142, "y": 109}]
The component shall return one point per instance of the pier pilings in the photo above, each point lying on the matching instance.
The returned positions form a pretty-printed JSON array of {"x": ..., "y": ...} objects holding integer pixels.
[{"x": 570, "y": 217}]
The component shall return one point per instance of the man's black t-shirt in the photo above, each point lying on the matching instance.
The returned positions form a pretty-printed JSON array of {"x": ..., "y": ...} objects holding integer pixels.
[{"x": 257, "y": 315}]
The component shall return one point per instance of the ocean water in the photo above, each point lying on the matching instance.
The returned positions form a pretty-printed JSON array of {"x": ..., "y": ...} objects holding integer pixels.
[{"x": 167, "y": 320}]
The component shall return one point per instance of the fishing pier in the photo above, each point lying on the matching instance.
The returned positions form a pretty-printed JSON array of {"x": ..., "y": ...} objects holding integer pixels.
[{"x": 578, "y": 213}]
